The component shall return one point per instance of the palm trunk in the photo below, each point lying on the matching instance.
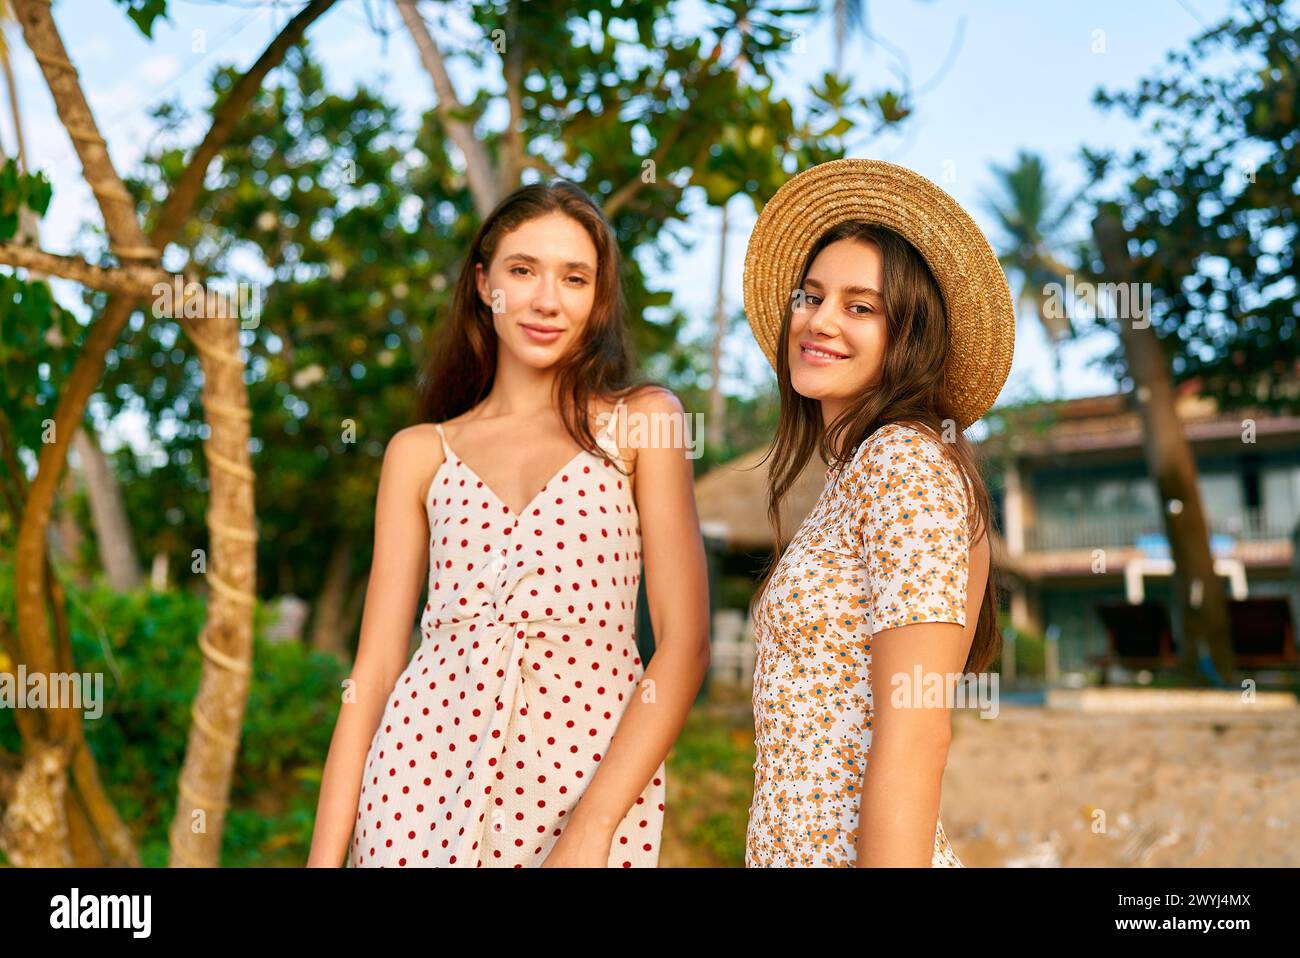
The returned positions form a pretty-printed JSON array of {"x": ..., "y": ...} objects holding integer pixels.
[
  {"x": 479, "y": 173},
  {"x": 15, "y": 112},
  {"x": 1198, "y": 591},
  {"x": 328, "y": 628},
  {"x": 511, "y": 160},
  {"x": 108, "y": 513},
  {"x": 717, "y": 401},
  {"x": 27, "y": 223}
]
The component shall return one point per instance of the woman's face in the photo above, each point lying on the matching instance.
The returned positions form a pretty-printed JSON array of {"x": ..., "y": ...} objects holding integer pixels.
[
  {"x": 838, "y": 332},
  {"x": 540, "y": 287}
]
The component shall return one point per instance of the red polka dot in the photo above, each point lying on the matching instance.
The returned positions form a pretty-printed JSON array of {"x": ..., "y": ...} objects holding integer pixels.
[{"x": 489, "y": 778}]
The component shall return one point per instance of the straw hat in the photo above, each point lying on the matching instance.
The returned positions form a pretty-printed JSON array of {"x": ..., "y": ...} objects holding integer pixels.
[{"x": 981, "y": 319}]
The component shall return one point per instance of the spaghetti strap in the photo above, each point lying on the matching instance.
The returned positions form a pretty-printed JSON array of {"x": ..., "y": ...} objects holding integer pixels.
[
  {"x": 606, "y": 437},
  {"x": 613, "y": 419},
  {"x": 446, "y": 449}
]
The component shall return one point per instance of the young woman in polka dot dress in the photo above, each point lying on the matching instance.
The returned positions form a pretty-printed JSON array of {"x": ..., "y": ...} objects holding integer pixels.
[
  {"x": 525, "y": 731},
  {"x": 887, "y": 577}
]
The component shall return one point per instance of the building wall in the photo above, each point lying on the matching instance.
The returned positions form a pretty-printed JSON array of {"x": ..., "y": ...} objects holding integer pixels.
[
  {"x": 1071, "y": 610},
  {"x": 1070, "y": 607},
  {"x": 1255, "y": 495}
]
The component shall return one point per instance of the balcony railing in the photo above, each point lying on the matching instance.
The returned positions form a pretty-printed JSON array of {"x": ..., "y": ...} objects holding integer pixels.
[{"x": 1094, "y": 531}]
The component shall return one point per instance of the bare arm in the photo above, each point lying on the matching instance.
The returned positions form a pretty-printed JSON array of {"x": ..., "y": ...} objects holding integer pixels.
[
  {"x": 397, "y": 576},
  {"x": 678, "y": 594},
  {"x": 924, "y": 585},
  {"x": 909, "y": 745}
]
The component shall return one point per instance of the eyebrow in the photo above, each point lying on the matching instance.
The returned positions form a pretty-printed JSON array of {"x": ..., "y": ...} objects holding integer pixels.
[
  {"x": 848, "y": 290},
  {"x": 572, "y": 264}
]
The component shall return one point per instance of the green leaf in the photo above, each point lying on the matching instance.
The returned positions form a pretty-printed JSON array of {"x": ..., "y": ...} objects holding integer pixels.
[{"x": 144, "y": 13}]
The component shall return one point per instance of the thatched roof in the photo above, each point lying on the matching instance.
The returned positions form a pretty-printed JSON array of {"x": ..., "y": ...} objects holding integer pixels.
[{"x": 732, "y": 503}]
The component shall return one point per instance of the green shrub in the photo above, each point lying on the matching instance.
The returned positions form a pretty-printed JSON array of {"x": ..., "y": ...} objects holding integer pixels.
[
  {"x": 1031, "y": 654},
  {"x": 145, "y": 645}
]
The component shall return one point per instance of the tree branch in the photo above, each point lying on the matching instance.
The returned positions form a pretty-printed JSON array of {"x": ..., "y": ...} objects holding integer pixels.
[
  {"x": 133, "y": 279},
  {"x": 180, "y": 201},
  {"x": 619, "y": 198},
  {"x": 115, "y": 202},
  {"x": 478, "y": 167}
]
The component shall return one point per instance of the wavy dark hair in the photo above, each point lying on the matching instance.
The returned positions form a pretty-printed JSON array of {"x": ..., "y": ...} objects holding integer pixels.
[
  {"x": 462, "y": 362},
  {"x": 912, "y": 390}
]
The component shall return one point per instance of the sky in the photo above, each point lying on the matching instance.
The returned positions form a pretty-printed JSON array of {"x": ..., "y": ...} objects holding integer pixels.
[{"x": 993, "y": 77}]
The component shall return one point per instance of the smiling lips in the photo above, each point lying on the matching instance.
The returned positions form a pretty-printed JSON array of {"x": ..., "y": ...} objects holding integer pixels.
[
  {"x": 542, "y": 334},
  {"x": 819, "y": 355}
]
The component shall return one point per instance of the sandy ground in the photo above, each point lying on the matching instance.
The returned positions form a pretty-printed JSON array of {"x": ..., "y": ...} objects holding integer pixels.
[{"x": 1040, "y": 788}]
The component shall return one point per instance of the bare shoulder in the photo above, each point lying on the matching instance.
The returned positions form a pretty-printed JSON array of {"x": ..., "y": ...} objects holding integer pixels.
[
  {"x": 413, "y": 456},
  {"x": 649, "y": 408},
  {"x": 653, "y": 399},
  {"x": 656, "y": 429}
]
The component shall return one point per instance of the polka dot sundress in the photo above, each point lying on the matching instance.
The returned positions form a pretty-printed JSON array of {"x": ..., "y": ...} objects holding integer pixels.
[
  {"x": 527, "y": 660},
  {"x": 886, "y": 545}
]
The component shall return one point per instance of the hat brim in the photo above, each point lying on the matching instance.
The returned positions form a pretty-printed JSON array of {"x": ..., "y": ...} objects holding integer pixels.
[{"x": 975, "y": 292}]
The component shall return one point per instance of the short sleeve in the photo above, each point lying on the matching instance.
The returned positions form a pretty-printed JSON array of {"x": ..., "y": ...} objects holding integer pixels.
[{"x": 912, "y": 529}]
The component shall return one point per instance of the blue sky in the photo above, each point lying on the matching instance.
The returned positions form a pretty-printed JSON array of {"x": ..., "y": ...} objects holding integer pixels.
[{"x": 1022, "y": 78}]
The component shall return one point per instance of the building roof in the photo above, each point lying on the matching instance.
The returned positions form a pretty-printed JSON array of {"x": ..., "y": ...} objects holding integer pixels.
[
  {"x": 732, "y": 503},
  {"x": 732, "y": 500},
  {"x": 1099, "y": 423}
]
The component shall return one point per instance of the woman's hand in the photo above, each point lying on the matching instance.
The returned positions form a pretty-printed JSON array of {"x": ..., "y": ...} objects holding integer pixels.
[
  {"x": 677, "y": 592},
  {"x": 582, "y": 844},
  {"x": 398, "y": 574}
]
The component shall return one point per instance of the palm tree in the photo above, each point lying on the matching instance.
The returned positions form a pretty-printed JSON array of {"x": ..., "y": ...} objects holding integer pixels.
[
  {"x": 848, "y": 16},
  {"x": 1031, "y": 224}
]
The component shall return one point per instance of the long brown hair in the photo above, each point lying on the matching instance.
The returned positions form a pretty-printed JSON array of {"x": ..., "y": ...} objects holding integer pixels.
[
  {"x": 462, "y": 362},
  {"x": 912, "y": 390}
]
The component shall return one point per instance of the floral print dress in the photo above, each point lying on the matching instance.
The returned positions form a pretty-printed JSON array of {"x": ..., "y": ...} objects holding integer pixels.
[{"x": 885, "y": 545}]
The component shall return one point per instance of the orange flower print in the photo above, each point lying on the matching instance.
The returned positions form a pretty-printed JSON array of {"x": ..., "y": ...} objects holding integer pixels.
[{"x": 885, "y": 545}]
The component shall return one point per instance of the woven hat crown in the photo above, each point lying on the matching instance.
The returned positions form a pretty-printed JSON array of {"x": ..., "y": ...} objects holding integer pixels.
[{"x": 976, "y": 296}]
